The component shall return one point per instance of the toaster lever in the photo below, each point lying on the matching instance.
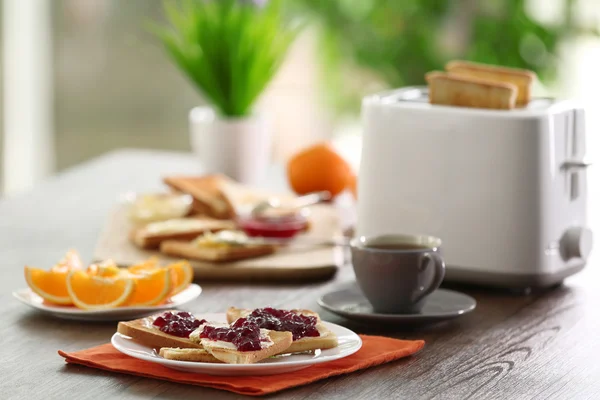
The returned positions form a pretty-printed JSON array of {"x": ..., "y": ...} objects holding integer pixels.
[{"x": 570, "y": 165}]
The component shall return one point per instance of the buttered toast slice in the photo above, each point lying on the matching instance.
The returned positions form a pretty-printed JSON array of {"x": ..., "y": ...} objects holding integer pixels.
[
  {"x": 144, "y": 332},
  {"x": 194, "y": 355},
  {"x": 271, "y": 343},
  {"x": 189, "y": 250},
  {"x": 326, "y": 339},
  {"x": 521, "y": 78},
  {"x": 153, "y": 234},
  {"x": 451, "y": 90}
]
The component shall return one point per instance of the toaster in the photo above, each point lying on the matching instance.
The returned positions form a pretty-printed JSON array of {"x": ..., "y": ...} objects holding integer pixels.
[{"x": 505, "y": 190}]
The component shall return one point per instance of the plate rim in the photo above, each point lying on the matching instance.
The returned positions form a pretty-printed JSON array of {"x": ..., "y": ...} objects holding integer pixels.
[
  {"x": 70, "y": 310},
  {"x": 245, "y": 367},
  {"x": 396, "y": 317}
]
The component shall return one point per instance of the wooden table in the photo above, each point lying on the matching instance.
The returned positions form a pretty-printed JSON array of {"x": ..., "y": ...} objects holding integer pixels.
[{"x": 536, "y": 346}]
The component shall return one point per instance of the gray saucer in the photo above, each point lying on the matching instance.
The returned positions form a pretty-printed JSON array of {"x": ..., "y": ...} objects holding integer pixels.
[{"x": 441, "y": 305}]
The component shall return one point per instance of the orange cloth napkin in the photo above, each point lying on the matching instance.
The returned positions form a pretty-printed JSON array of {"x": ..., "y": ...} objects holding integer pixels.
[{"x": 375, "y": 350}]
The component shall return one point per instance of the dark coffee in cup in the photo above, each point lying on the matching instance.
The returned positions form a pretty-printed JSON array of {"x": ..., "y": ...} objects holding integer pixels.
[{"x": 397, "y": 272}]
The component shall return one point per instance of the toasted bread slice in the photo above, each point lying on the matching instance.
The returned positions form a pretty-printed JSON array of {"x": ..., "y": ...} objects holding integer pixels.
[
  {"x": 188, "y": 250},
  {"x": 521, "y": 78},
  {"x": 327, "y": 340},
  {"x": 206, "y": 191},
  {"x": 142, "y": 331},
  {"x": 448, "y": 89},
  {"x": 195, "y": 355},
  {"x": 226, "y": 352},
  {"x": 152, "y": 235}
]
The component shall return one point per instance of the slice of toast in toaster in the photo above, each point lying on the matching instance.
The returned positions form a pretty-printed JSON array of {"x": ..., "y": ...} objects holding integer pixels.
[
  {"x": 451, "y": 90},
  {"x": 225, "y": 253},
  {"x": 326, "y": 340},
  {"x": 153, "y": 234},
  {"x": 521, "y": 78}
]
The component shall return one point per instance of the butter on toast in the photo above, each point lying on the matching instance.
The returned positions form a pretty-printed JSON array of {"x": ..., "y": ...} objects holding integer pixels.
[
  {"x": 206, "y": 191},
  {"x": 194, "y": 355},
  {"x": 189, "y": 250},
  {"x": 142, "y": 331},
  {"x": 453, "y": 90},
  {"x": 153, "y": 234},
  {"x": 277, "y": 343},
  {"x": 521, "y": 78},
  {"x": 326, "y": 340}
]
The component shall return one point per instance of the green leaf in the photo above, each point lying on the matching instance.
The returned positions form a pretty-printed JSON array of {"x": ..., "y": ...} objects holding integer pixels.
[{"x": 229, "y": 49}]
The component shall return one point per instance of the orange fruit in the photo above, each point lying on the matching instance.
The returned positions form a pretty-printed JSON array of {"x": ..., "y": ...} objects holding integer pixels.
[
  {"x": 71, "y": 261},
  {"x": 97, "y": 293},
  {"x": 50, "y": 285},
  {"x": 105, "y": 269},
  {"x": 318, "y": 168},
  {"x": 145, "y": 266},
  {"x": 182, "y": 275},
  {"x": 152, "y": 287}
]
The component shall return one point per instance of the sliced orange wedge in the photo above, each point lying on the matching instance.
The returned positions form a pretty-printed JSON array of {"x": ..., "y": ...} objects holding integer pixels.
[
  {"x": 182, "y": 275},
  {"x": 50, "y": 285},
  {"x": 97, "y": 293},
  {"x": 71, "y": 261},
  {"x": 151, "y": 287},
  {"x": 145, "y": 266},
  {"x": 105, "y": 269}
]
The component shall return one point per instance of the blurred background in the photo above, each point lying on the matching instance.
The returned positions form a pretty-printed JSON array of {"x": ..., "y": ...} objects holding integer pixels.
[{"x": 83, "y": 77}]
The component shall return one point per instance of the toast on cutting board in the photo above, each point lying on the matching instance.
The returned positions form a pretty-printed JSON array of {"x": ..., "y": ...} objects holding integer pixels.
[
  {"x": 521, "y": 78},
  {"x": 206, "y": 191},
  {"x": 219, "y": 196},
  {"x": 453, "y": 90},
  {"x": 217, "y": 254},
  {"x": 326, "y": 340},
  {"x": 152, "y": 235}
]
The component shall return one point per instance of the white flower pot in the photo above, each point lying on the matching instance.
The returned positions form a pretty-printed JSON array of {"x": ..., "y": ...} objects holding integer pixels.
[{"x": 238, "y": 147}]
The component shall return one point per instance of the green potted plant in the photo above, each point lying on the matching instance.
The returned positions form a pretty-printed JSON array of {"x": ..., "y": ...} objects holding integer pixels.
[{"x": 230, "y": 50}]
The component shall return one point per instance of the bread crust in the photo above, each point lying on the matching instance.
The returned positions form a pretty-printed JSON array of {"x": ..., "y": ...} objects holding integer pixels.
[
  {"x": 327, "y": 340},
  {"x": 521, "y": 78},
  {"x": 448, "y": 89},
  {"x": 188, "y": 250}
]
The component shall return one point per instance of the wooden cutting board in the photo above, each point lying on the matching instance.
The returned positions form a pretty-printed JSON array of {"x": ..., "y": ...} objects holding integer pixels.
[{"x": 296, "y": 264}]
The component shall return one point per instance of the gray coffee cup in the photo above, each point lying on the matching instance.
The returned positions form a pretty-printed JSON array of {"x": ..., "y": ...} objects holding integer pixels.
[{"x": 397, "y": 272}]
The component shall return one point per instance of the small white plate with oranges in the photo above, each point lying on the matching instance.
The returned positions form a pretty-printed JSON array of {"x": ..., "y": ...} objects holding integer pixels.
[{"x": 105, "y": 292}]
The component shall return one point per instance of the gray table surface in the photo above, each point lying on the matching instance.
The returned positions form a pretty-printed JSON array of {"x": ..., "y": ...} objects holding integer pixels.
[{"x": 541, "y": 345}]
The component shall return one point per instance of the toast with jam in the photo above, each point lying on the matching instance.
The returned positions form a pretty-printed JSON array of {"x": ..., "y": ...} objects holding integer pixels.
[
  {"x": 159, "y": 332},
  {"x": 308, "y": 331},
  {"x": 242, "y": 342}
]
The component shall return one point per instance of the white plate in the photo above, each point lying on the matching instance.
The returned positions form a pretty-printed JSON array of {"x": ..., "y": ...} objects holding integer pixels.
[
  {"x": 28, "y": 297},
  {"x": 349, "y": 343}
]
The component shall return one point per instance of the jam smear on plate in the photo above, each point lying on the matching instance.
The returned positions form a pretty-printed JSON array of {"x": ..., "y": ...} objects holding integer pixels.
[
  {"x": 285, "y": 321},
  {"x": 244, "y": 334},
  {"x": 181, "y": 324}
]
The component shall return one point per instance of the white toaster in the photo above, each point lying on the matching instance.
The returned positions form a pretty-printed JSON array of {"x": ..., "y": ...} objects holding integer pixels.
[{"x": 504, "y": 190}]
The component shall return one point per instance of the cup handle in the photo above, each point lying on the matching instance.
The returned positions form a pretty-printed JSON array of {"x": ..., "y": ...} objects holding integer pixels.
[{"x": 428, "y": 259}]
